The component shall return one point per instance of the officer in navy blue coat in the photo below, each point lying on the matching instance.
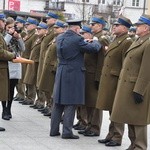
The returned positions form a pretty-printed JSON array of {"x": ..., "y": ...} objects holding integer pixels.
[{"x": 69, "y": 87}]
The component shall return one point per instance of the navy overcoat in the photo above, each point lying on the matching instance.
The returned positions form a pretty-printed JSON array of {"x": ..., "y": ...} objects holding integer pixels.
[{"x": 69, "y": 87}]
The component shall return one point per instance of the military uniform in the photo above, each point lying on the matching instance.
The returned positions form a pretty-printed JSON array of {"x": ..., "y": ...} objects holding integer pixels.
[
  {"x": 93, "y": 64},
  {"x": 5, "y": 56},
  {"x": 49, "y": 68},
  {"x": 109, "y": 78},
  {"x": 29, "y": 41},
  {"x": 44, "y": 47},
  {"x": 131, "y": 104},
  {"x": 69, "y": 81}
]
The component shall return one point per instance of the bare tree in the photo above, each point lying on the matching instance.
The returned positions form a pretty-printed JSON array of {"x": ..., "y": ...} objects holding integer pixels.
[{"x": 84, "y": 9}]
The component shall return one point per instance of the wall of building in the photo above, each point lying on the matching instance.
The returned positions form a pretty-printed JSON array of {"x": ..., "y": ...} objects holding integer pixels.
[
  {"x": 27, "y": 5},
  {"x": 71, "y": 8},
  {"x": 148, "y": 6}
]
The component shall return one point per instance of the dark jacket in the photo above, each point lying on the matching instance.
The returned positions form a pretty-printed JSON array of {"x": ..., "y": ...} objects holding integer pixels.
[{"x": 69, "y": 87}]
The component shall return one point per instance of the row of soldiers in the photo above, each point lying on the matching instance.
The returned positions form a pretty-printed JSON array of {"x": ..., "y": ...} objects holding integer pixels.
[{"x": 101, "y": 76}]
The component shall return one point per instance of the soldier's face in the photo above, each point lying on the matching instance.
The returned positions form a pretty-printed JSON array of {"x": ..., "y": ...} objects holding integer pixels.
[
  {"x": 19, "y": 25},
  {"x": 50, "y": 21},
  {"x": 119, "y": 29},
  {"x": 142, "y": 29},
  {"x": 96, "y": 27}
]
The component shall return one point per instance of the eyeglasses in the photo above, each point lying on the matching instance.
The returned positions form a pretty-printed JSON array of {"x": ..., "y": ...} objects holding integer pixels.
[
  {"x": 56, "y": 27},
  {"x": 82, "y": 33},
  {"x": 116, "y": 25},
  {"x": 39, "y": 28},
  {"x": 93, "y": 24}
]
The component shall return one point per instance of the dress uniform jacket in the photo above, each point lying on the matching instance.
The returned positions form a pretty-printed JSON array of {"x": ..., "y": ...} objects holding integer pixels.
[
  {"x": 49, "y": 69},
  {"x": 29, "y": 41},
  {"x": 104, "y": 42},
  {"x": 69, "y": 87},
  {"x": 93, "y": 65},
  {"x": 111, "y": 69},
  {"x": 134, "y": 76},
  {"x": 31, "y": 71},
  {"x": 44, "y": 47},
  {"x": 5, "y": 56}
]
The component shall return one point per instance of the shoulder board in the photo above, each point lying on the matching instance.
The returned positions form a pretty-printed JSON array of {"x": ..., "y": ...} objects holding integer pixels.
[
  {"x": 103, "y": 37},
  {"x": 128, "y": 38}
]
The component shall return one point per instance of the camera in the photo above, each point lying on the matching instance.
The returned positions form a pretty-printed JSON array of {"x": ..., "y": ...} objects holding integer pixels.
[{"x": 17, "y": 29}]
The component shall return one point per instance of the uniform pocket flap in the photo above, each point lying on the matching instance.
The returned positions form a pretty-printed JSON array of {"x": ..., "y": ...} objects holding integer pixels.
[
  {"x": 133, "y": 79},
  {"x": 115, "y": 72}
]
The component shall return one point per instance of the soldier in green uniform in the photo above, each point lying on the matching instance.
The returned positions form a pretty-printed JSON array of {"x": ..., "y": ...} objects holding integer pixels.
[
  {"x": 132, "y": 99},
  {"x": 109, "y": 78},
  {"x": 29, "y": 39},
  {"x": 50, "y": 63},
  {"x": 45, "y": 96},
  {"x": 95, "y": 67},
  {"x": 31, "y": 71}
]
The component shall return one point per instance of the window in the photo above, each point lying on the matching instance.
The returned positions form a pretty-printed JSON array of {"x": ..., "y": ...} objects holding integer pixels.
[
  {"x": 135, "y": 2},
  {"x": 117, "y": 2},
  {"x": 85, "y": 0},
  {"x": 101, "y": 1}
]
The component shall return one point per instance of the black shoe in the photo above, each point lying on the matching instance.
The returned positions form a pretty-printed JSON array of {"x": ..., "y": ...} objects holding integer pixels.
[
  {"x": 70, "y": 137},
  {"x": 104, "y": 141},
  {"x": 112, "y": 143},
  {"x": 90, "y": 133},
  {"x": 32, "y": 106},
  {"x": 15, "y": 98},
  {"x": 40, "y": 110},
  {"x": 47, "y": 114},
  {"x": 9, "y": 114},
  {"x": 56, "y": 134},
  {"x": 76, "y": 125},
  {"x": 80, "y": 127},
  {"x": 39, "y": 107},
  {"x": 22, "y": 101},
  {"x": 2, "y": 129},
  {"x": 27, "y": 102},
  {"x": 82, "y": 131},
  {"x": 44, "y": 110},
  {"x": 5, "y": 116}
]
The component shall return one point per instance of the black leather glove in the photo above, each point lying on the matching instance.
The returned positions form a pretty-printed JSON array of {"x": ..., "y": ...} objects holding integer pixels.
[
  {"x": 137, "y": 98},
  {"x": 97, "y": 84}
]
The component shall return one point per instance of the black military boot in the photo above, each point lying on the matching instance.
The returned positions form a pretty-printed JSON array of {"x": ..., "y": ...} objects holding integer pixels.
[{"x": 5, "y": 115}]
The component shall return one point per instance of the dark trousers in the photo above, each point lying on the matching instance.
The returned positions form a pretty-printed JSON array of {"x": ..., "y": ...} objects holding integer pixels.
[{"x": 68, "y": 119}]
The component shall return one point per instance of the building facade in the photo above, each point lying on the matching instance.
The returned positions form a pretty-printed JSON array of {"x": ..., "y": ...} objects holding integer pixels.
[{"x": 83, "y": 9}]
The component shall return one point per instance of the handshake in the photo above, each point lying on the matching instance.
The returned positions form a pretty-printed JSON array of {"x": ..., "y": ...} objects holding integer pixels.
[{"x": 138, "y": 98}]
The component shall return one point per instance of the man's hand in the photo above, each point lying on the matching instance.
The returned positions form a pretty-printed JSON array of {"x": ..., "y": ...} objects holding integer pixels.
[
  {"x": 137, "y": 98},
  {"x": 22, "y": 60}
]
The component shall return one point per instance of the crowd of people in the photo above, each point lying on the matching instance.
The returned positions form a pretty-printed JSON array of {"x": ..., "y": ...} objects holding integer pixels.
[{"x": 67, "y": 68}]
